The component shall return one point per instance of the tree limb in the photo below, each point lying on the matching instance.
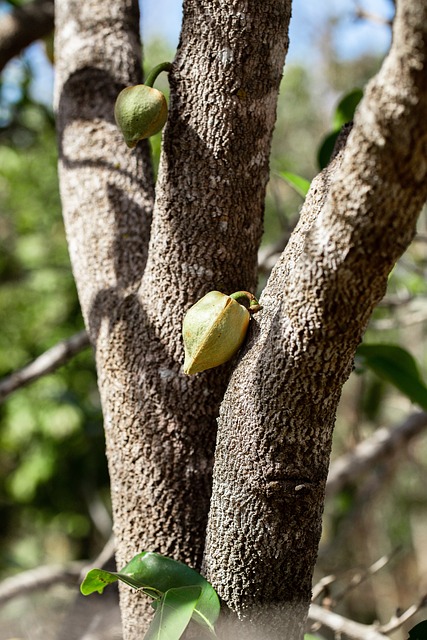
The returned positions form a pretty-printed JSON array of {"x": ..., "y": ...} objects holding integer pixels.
[
  {"x": 383, "y": 443},
  {"x": 358, "y": 631},
  {"x": 23, "y": 26},
  {"x": 276, "y": 420},
  {"x": 398, "y": 620},
  {"x": 353, "y": 582},
  {"x": 47, "y": 362},
  {"x": 340, "y": 624},
  {"x": 49, "y": 575},
  {"x": 40, "y": 578}
]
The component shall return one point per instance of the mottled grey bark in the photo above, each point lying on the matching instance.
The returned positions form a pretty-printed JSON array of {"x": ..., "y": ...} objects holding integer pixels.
[
  {"x": 276, "y": 421},
  {"x": 135, "y": 280}
]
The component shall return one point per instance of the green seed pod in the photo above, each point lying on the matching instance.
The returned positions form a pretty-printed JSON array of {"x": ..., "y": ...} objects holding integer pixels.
[
  {"x": 140, "y": 112},
  {"x": 214, "y": 329}
]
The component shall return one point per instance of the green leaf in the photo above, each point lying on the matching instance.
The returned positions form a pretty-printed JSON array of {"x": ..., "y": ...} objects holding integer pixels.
[
  {"x": 155, "y": 574},
  {"x": 326, "y": 148},
  {"x": 346, "y": 107},
  {"x": 299, "y": 184},
  {"x": 173, "y": 613},
  {"x": 419, "y": 632},
  {"x": 396, "y": 365},
  {"x": 344, "y": 113},
  {"x": 98, "y": 579}
]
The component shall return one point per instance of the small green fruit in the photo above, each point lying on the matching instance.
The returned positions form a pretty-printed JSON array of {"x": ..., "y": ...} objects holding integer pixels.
[
  {"x": 140, "y": 112},
  {"x": 214, "y": 329}
]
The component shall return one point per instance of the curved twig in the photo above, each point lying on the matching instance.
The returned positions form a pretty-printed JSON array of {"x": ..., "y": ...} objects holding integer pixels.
[
  {"x": 366, "y": 455},
  {"x": 23, "y": 26},
  {"x": 49, "y": 361},
  {"x": 340, "y": 624},
  {"x": 49, "y": 575}
]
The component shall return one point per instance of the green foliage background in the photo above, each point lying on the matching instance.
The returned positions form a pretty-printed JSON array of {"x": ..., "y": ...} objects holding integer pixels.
[{"x": 52, "y": 464}]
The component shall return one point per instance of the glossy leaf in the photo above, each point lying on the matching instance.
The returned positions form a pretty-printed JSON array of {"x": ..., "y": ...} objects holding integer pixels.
[
  {"x": 299, "y": 184},
  {"x": 173, "y": 613},
  {"x": 344, "y": 113},
  {"x": 346, "y": 107},
  {"x": 396, "y": 365},
  {"x": 98, "y": 579},
  {"x": 155, "y": 574},
  {"x": 326, "y": 148}
]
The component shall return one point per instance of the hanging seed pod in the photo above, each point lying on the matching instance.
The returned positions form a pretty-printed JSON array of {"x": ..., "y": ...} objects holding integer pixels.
[
  {"x": 214, "y": 329},
  {"x": 141, "y": 111}
]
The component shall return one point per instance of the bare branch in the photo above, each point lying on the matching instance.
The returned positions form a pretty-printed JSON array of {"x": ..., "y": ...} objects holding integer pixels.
[
  {"x": 49, "y": 361},
  {"x": 398, "y": 621},
  {"x": 362, "y": 14},
  {"x": 23, "y": 26},
  {"x": 358, "y": 631},
  {"x": 355, "y": 580},
  {"x": 339, "y": 624},
  {"x": 415, "y": 317},
  {"x": 366, "y": 455},
  {"x": 39, "y": 578},
  {"x": 50, "y": 575}
]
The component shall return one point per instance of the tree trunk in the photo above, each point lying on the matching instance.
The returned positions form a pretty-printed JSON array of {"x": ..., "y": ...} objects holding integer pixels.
[
  {"x": 136, "y": 279},
  {"x": 276, "y": 421}
]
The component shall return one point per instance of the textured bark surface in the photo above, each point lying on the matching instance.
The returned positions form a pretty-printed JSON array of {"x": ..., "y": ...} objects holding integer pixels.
[
  {"x": 276, "y": 421},
  {"x": 135, "y": 280}
]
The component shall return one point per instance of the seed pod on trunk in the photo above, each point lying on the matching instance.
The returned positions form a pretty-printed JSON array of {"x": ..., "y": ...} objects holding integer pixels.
[
  {"x": 214, "y": 329},
  {"x": 141, "y": 111}
]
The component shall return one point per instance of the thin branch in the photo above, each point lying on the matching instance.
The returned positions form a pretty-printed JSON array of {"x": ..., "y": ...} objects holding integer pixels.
[
  {"x": 361, "y": 576},
  {"x": 355, "y": 580},
  {"x": 39, "y": 578},
  {"x": 23, "y": 26},
  {"x": 50, "y": 575},
  {"x": 358, "y": 631},
  {"x": 339, "y": 624},
  {"x": 410, "y": 319},
  {"x": 398, "y": 300},
  {"x": 49, "y": 361},
  {"x": 363, "y": 14},
  {"x": 366, "y": 455},
  {"x": 398, "y": 620}
]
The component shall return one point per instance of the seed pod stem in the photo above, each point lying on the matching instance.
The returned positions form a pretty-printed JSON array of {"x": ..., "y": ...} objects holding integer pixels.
[
  {"x": 247, "y": 300},
  {"x": 151, "y": 78}
]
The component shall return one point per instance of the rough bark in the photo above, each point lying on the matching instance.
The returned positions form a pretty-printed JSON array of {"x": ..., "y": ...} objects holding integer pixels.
[
  {"x": 160, "y": 424},
  {"x": 276, "y": 421},
  {"x": 23, "y": 26}
]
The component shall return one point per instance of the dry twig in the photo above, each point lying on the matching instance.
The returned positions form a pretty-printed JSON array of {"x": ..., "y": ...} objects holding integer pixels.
[
  {"x": 398, "y": 620},
  {"x": 383, "y": 443},
  {"x": 49, "y": 361},
  {"x": 50, "y": 575},
  {"x": 339, "y": 624},
  {"x": 354, "y": 581}
]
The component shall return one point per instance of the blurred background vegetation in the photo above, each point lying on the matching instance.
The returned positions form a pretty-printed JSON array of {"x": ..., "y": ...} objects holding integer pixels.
[{"x": 54, "y": 494}]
